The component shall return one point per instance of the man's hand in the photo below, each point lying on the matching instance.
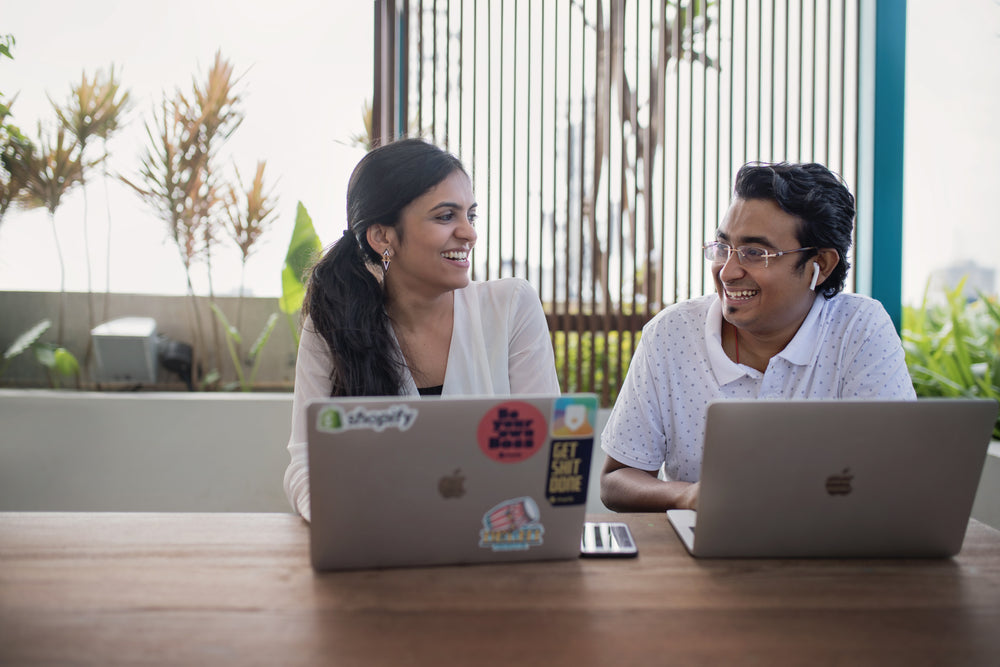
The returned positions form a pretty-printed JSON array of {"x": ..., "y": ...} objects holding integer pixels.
[
  {"x": 627, "y": 489},
  {"x": 688, "y": 499}
]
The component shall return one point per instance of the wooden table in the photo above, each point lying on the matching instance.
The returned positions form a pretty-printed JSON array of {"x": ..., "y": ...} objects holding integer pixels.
[{"x": 102, "y": 589}]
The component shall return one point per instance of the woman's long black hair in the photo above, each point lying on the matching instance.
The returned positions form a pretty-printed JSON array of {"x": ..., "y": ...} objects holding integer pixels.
[{"x": 343, "y": 298}]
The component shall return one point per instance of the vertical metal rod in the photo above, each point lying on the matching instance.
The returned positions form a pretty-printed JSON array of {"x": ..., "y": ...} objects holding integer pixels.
[
  {"x": 475, "y": 96},
  {"x": 801, "y": 62},
  {"x": 403, "y": 72},
  {"x": 784, "y": 142},
  {"x": 527, "y": 155},
  {"x": 771, "y": 85},
  {"x": 489, "y": 135},
  {"x": 676, "y": 54},
  {"x": 420, "y": 67},
  {"x": 828, "y": 82},
  {"x": 857, "y": 129},
  {"x": 760, "y": 75},
  {"x": 447, "y": 75},
  {"x": 555, "y": 185},
  {"x": 732, "y": 106},
  {"x": 434, "y": 72},
  {"x": 581, "y": 204},
  {"x": 746, "y": 82},
  {"x": 704, "y": 144},
  {"x": 461, "y": 76},
  {"x": 541, "y": 157},
  {"x": 812, "y": 133},
  {"x": 718, "y": 127},
  {"x": 690, "y": 145},
  {"x": 569, "y": 188},
  {"x": 843, "y": 87},
  {"x": 502, "y": 122}
]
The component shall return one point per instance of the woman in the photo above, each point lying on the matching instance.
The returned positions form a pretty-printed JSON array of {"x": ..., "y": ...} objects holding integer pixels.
[{"x": 390, "y": 309}]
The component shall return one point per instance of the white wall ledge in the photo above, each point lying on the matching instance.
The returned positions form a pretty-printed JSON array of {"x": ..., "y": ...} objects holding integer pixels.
[{"x": 190, "y": 452}]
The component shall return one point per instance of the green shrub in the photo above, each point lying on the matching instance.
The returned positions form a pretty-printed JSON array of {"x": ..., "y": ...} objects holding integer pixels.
[
  {"x": 593, "y": 361},
  {"x": 953, "y": 347}
]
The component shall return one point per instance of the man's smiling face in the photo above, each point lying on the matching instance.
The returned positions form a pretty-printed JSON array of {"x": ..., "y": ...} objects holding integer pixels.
[{"x": 763, "y": 301}]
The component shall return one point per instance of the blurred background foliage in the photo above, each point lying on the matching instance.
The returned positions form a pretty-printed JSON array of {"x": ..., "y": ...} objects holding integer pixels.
[{"x": 952, "y": 346}]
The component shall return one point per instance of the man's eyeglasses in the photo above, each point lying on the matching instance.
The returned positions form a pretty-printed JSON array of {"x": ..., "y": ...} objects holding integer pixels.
[{"x": 747, "y": 255}]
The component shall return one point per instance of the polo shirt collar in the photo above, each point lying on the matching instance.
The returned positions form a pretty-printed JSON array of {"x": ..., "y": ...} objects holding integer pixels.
[
  {"x": 802, "y": 348},
  {"x": 799, "y": 351},
  {"x": 725, "y": 369}
]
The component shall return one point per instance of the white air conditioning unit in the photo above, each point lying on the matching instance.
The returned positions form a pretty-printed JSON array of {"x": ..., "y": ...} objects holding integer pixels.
[{"x": 126, "y": 350}]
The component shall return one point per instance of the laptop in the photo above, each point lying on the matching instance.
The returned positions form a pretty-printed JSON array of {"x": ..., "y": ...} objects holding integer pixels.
[
  {"x": 801, "y": 478},
  {"x": 403, "y": 481}
]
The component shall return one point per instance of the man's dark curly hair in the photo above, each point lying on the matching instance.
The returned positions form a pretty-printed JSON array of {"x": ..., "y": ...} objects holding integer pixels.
[{"x": 817, "y": 197}]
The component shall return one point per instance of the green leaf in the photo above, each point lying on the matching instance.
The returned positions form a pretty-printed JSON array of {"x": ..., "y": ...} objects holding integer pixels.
[
  {"x": 27, "y": 339},
  {"x": 231, "y": 332},
  {"x": 45, "y": 353},
  {"x": 65, "y": 363},
  {"x": 264, "y": 336},
  {"x": 303, "y": 249},
  {"x": 210, "y": 378},
  {"x": 293, "y": 292},
  {"x": 57, "y": 359}
]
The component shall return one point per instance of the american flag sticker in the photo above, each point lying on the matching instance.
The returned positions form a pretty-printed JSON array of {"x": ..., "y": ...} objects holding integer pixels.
[{"x": 513, "y": 525}]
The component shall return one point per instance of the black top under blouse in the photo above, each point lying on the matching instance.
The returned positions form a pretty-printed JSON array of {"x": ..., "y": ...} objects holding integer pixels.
[{"x": 430, "y": 391}]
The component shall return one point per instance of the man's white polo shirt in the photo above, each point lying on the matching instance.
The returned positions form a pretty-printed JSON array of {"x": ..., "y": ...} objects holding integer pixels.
[{"x": 847, "y": 347}]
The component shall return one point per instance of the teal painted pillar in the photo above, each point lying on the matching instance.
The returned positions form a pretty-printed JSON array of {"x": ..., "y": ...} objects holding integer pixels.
[{"x": 882, "y": 104}]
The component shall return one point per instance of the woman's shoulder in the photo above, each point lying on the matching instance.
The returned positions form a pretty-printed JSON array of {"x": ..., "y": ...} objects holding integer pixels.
[{"x": 500, "y": 290}]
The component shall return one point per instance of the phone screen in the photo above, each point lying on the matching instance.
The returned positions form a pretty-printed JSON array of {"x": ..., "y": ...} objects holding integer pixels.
[{"x": 607, "y": 539}]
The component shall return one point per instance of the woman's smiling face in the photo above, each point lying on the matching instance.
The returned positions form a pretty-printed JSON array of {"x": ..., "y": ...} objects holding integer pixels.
[
  {"x": 763, "y": 301},
  {"x": 436, "y": 237}
]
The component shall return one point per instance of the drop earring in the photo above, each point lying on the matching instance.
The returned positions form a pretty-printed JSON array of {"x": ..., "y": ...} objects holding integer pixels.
[
  {"x": 812, "y": 285},
  {"x": 385, "y": 260}
]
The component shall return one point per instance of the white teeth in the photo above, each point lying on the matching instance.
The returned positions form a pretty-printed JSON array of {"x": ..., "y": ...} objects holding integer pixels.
[
  {"x": 741, "y": 294},
  {"x": 455, "y": 254}
]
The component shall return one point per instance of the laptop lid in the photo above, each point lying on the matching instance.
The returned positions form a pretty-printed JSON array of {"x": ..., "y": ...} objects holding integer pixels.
[
  {"x": 404, "y": 481},
  {"x": 837, "y": 478}
]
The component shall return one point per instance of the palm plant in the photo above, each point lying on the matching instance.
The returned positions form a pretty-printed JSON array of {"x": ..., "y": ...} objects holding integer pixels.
[
  {"x": 13, "y": 146},
  {"x": 51, "y": 172},
  {"x": 213, "y": 113},
  {"x": 178, "y": 171},
  {"x": 94, "y": 111},
  {"x": 249, "y": 211}
]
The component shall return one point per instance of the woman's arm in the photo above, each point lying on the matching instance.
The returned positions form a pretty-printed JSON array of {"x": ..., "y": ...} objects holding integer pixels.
[
  {"x": 312, "y": 381},
  {"x": 531, "y": 362}
]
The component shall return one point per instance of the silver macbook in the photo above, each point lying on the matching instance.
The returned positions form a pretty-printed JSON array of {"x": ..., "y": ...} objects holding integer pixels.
[
  {"x": 404, "y": 481},
  {"x": 837, "y": 478}
]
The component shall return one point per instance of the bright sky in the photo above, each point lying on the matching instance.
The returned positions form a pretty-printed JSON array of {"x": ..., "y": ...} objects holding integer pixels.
[
  {"x": 307, "y": 72},
  {"x": 952, "y": 139},
  {"x": 306, "y": 67}
]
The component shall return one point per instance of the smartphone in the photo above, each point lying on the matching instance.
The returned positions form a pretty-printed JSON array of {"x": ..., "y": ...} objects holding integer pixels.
[{"x": 607, "y": 539}]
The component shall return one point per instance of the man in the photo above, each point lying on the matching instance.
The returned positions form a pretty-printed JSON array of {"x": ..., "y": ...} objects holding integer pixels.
[{"x": 778, "y": 326}]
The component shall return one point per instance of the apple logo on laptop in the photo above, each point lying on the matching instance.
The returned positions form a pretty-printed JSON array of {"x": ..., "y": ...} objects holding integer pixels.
[
  {"x": 453, "y": 485},
  {"x": 840, "y": 483}
]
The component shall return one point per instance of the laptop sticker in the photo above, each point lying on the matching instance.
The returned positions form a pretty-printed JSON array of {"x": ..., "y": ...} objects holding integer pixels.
[
  {"x": 513, "y": 525},
  {"x": 334, "y": 418},
  {"x": 512, "y": 432},
  {"x": 573, "y": 418},
  {"x": 569, "y": 471}
]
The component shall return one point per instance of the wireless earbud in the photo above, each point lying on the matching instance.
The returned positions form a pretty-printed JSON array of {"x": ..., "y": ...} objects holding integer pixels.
[{"x": 812, "y": 285}]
